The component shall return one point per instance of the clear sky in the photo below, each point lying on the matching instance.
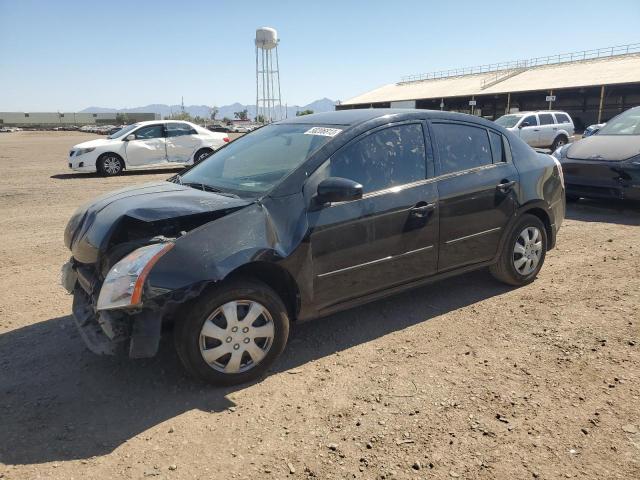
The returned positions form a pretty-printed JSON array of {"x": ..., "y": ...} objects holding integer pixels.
[{"x": 68, "y": 54}]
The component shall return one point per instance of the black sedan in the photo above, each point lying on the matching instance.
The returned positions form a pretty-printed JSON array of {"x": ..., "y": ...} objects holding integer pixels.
[
  {"x": 607, "y": 164},
  {"x": 301, "y": 219}
]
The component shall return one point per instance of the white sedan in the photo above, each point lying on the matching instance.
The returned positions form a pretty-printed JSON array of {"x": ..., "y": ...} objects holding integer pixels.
[{"x": 146, "y": 145}]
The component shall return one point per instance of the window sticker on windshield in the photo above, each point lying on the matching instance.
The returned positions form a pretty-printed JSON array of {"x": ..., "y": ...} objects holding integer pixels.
[{"x": 324, "y": 131}]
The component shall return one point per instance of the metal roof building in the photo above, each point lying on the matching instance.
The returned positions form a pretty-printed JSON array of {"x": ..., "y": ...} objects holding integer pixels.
[{"x": 592, "y": 86}]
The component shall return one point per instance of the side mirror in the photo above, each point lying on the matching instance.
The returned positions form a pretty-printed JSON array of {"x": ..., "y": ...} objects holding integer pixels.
[
  {"x": 336, "y": 189},
  {"x": 524, "y": 124},
  {"x": 130, "y": 137}
]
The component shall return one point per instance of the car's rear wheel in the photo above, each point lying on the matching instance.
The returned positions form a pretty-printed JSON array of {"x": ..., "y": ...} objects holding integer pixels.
[
  {"x": 234, "y": 334},
  {"x": 202, "y": 154},
  {"x": 560, "y": 141},
  {"x": 523, "y": 254},
  {"x": 110, "y": 165}
]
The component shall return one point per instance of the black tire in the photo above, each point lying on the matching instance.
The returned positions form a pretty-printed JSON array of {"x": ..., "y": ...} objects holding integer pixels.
[
  {"x": 189, "y": 325},
  {"x": 505, "y": 269},
  {"x": 201, "y": 155},
  {"x": 110, "y": 165},
  {"x": 558, "y": 142}
]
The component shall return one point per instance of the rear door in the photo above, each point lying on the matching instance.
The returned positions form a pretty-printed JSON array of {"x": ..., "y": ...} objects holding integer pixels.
[
  {"x": 548, "y": 129},
  {"x": 181, "y": 142},
  {"x": 477, "y": 187},
  {"x": 148, "y": 147},
  {"x": 529, "y": 130},
  {"x": 387, "y": 238}
]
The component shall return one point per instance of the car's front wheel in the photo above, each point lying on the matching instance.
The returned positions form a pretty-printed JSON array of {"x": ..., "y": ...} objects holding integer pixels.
[
  {"x": 233, "y": 334},
  {"x": 110, "y": 165},
  {"x": 523, "y": 254}
]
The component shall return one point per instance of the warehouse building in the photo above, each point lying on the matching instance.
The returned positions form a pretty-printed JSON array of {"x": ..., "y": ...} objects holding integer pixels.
[
  {"x": 592, "y": 86},
  {"x": 60, "y": 119}
]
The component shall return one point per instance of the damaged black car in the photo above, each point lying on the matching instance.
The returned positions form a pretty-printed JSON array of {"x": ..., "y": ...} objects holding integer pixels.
[
  {"x": 605, "y": 165},
  {"x": 301, "y": 219}
]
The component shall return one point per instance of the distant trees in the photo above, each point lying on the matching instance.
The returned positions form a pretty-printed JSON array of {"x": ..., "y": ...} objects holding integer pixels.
[
  {"x": 227, "y": 121},
  {"x": 300, "y": 113},
  {"x": 260, "y": 119},
  {"x": 214, "y": 113},
  {"x": 242, "y": 115}
]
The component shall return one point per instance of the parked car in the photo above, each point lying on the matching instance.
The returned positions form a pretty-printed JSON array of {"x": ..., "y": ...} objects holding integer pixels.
[
  {"x": 149, "y": 144},
  {"x": 606, "y": 165},
  {"x": 219, "y": 128},
  {"x": 592, "y": 129},
  {"x": 545, "y": 128},
  {"x": 304, "y": 218}
]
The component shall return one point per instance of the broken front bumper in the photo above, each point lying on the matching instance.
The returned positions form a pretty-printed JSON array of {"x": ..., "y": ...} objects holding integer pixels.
[{"x": 111, "y": 332}]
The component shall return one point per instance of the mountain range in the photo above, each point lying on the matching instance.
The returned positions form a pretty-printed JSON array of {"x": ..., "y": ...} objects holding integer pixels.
[{"x": 204, "y": 111}]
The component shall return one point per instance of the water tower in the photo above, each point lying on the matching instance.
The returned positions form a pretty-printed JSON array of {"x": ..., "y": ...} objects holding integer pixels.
[{"x": 268, "y": 98}]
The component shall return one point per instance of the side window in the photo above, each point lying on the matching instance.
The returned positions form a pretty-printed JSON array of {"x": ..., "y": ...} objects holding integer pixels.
[
  {"x": 152, "y": 131},
  {"x": 179, "y": 129},
  {"x": 462, "y": 147},
  {"x": 546, "y": 119},
  {"x": 390, "y": 157},
  {"x": 562, "y": 118},
  {"x": 497, "y": 147},
  {"x": 531, "y": 120}
]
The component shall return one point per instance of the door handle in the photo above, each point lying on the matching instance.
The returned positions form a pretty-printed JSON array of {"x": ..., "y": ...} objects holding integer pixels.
[
  {"x": 422, "y": 210},
  {"x": 506, "y": 186},
  {"x": 536, "y": 130}
]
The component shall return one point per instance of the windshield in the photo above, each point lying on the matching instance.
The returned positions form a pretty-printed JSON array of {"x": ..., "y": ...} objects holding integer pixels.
[
  {"x": 255, "y": 163},
  {"x": 123, "y": 131},
  {"x": 508, "y": 121},
  {"x": 627, "y": 123}
]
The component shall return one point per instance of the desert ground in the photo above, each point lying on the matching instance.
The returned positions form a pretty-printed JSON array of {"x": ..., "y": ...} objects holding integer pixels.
[{"x": 466, "y": 378}]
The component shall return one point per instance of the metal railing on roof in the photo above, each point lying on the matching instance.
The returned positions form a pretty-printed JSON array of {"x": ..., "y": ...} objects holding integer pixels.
[{"x": 531, "y": 62}]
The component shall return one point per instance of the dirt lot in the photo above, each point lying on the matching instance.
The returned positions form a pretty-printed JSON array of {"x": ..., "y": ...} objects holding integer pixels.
[{"x": 462, "y": 379}]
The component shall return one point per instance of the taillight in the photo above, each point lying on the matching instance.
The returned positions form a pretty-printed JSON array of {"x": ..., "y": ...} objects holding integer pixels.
[{"x": 226, "y": 139}]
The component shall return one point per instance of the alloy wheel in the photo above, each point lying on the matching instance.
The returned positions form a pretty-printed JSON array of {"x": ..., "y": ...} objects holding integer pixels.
[
  {"x": 237, "y": 336},
  {"x": 527, "y": 251},
  {"x": 111, "y": 165}
]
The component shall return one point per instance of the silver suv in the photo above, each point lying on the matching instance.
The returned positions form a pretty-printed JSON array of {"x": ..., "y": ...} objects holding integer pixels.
[{"x": 544, "y": 128}]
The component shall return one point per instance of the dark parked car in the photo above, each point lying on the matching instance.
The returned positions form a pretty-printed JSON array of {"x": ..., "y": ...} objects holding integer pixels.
[
  {"x": 605, "y": 165},
  {"x": 301, "y": 219},
  {"x": 219, "y": 128}
]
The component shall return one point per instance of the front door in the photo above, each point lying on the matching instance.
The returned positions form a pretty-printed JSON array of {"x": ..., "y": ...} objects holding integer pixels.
[
  {"x": 529, "y": 130},
  {"x": 148, "y": 148},
  {"x": 181, "y": 142},
  {"x": 387, "y": 238},
  {"x": 477, "y": 191}
]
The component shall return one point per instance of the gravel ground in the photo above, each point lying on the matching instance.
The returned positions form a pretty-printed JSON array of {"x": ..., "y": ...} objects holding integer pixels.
[{"x": 466, "y": 378}]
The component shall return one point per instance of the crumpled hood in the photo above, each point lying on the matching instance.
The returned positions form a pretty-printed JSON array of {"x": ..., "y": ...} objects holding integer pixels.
[
  {"x": 613, "y": 148},
  {"x": 161, "y": 208}
]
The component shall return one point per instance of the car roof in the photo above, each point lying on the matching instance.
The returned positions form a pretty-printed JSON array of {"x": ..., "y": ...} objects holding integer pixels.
[
  {"x": 530, "y": 112},
  {"x": 356, "y": 116},
  {"x": 156, "y": 122}
]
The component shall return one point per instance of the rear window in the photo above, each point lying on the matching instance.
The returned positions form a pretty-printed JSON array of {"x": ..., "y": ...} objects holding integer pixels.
[
  {"x": 546, "y": 119},
  {"x": 462, "y": 147},
  {"x": 562, "y": 118},
  {"x": 497, "y": 147}
]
